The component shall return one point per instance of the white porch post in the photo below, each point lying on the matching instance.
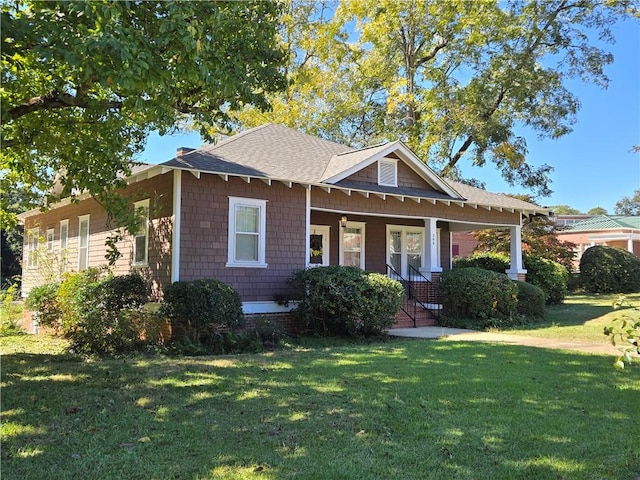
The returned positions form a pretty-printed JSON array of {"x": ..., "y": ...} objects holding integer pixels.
[
  {"x": 307, "y": 227},
  {"x": 630, "y": 244},
  {"x": 516, "y": 253},
  {"x": 431, "y": 252}
]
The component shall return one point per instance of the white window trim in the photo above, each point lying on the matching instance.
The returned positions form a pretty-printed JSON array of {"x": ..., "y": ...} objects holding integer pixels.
[
  {"x": 325, "y": 231},
  {"x": 388, "y": 161},
  {"x": 262, "y": 232},
  {"x": 144, "y": 231},
  {"x": 33, "y": 243},
  {"x": 81, "y": 219},
  {"x": 64, "y": 246},
  {"x": 360, "y": 225}
]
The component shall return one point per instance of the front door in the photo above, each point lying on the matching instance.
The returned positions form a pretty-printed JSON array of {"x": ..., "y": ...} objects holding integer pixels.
[
  {"x": 319, "y": 246},
  {"x": 404, "y": 247}
]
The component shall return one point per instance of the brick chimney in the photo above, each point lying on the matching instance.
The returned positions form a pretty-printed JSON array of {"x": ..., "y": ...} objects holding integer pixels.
[{"x": 180, "y": 151}]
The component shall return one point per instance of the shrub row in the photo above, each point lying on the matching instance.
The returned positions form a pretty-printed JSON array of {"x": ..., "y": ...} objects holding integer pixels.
[
  {"x": 548, "y": 275},
  {"x": 99, "y": 314},
  {"x": 478, "y": 298},
  {"x": 339, "y": 300}
]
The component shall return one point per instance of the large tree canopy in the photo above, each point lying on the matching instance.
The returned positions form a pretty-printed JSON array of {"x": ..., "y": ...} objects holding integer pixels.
[
  {"x": 452, "y": 79},
  {"x": 84, "y": 83}
]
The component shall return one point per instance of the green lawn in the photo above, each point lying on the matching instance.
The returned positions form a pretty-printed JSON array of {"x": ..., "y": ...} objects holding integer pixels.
[
  {"x": 401, "y": 409},
  {"x": 579, "y": 318}
]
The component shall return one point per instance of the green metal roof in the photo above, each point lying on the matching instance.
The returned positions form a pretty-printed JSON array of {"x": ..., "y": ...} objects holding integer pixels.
[{"x": 606, "y": 222}]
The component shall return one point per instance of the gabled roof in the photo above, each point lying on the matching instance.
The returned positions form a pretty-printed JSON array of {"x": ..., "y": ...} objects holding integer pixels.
[
  {"x": 276, "y": 152},
  {"x": 345, "y": 164},
  {"x": 268, "y": 151},
  {"x": 606, "y": 222}
]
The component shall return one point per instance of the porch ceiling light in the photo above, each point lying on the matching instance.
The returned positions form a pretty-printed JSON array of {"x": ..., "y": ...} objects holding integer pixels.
[{"x": 343, "y": 221}]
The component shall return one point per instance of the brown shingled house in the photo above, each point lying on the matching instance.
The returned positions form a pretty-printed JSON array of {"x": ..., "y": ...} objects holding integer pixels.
[{"x": 261, "y": 204}]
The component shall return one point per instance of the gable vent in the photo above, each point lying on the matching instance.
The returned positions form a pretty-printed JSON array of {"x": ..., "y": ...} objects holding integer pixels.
[{"x": 388, "y": 173}]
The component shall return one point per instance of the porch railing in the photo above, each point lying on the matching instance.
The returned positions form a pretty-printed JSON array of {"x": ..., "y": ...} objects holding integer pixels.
[{"x": 425, "y": 297}]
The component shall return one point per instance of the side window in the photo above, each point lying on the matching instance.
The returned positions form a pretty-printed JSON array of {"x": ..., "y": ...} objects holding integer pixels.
[
  {"x": 33, "y": 240},
  {"x": 64, "y": 244},
  {"x": 83, "y": 242},
  {"x": 50, "y": 236},
  {"x": 247, "y": 232},
  {"x": 141, "y": 238}
]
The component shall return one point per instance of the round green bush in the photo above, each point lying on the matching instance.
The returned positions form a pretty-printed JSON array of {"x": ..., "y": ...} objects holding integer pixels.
[
  {"x": 196, "y": 308},
  {"x": 550, "y": 276},
  {"x": 106, "y": 315},
  {"x": 531, "y": 300},
  {"x": 496, "y": 262},
  {"x": 609, "y": 270},
  {"x": 477, "y": 298},
  {"x": 43, "y": 302},
  {"x": 339, "y": 300}
]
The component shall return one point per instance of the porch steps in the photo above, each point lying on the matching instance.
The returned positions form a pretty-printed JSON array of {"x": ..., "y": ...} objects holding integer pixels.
[{"x": 424, "y": 318}]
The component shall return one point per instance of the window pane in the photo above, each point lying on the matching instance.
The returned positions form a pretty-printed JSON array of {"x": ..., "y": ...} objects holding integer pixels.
[
  {"x": 247, "y": 219},
  {"x": 246, "y": 248},
  {"x": 64, "y": 236},
  {"x": 140, "y": 249},
  {"x": 82, "y": 264},
  {"x": 84, "y": 234},
  {"x": 352, "y": 259}
]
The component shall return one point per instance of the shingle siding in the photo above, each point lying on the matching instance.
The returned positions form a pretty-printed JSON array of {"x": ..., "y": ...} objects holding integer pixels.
[
  {"x": 204, "y": 234},
  {"x": 158, "y": 272}
]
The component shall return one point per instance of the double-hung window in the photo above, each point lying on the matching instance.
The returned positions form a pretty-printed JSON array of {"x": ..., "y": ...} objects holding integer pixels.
[
  {"x": 83, "y": 242},
  {"x": 141, "y": 238},
  {"x": 247, "y": 232}
]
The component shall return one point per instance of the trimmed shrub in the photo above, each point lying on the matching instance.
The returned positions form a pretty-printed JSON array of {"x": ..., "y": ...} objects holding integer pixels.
[
  {"x": 43, "y": 302},
  {"x": 478, "y": 298},
  {"x": 107, "y": 316},
  {"x": 550, "y": 276},
  {"x": 496, "y": 262},
  {"x": 531, "y": 300},
  {"x": 196, "y": 308},
  {"x": 609, "y": 270},
  {"x": 339, "y": 300}
]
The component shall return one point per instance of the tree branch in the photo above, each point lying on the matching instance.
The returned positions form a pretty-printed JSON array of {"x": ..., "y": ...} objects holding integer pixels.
[{"x": 56, "y": 100}]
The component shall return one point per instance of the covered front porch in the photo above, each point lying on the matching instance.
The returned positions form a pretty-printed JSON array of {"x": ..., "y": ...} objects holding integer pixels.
[{"x": 413, "y": 250}]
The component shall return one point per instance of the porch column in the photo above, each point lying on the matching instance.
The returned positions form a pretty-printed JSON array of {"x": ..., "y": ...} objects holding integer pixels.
[
  {"x": 431, "y": 254},
  {"x": 516, "y": 254},
  {"x": 630, "y": 244}
]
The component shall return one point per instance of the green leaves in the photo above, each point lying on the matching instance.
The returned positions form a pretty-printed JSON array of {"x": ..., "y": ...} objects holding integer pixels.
[
  {"x": 85, "y": 82},
  {"x": 626, "y": 329},
  {"x": 452, "y": 79}
]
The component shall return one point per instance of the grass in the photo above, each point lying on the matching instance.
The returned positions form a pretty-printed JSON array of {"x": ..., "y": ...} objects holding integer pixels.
[
  {"x": 406, "y": 409},
  {"x": 580, "y": 318}
]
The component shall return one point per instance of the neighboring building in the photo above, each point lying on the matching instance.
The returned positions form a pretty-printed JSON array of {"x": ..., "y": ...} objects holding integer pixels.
[
  {"x": 611, "y": 230},
  {"x": 257, "y": 206},
  {"x": 566, "y": 220},
  {"x": 463, "y": 244}
]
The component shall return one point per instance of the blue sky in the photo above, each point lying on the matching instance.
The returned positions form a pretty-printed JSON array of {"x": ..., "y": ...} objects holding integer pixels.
[{"x": 593, "y": 165}]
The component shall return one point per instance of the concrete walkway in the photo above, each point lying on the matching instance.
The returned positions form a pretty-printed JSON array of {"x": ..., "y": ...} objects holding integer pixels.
[{"x": 459, "y": 334}]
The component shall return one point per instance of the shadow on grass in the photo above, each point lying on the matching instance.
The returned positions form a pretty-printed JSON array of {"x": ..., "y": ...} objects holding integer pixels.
[{"x": 403, "y": 409}]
